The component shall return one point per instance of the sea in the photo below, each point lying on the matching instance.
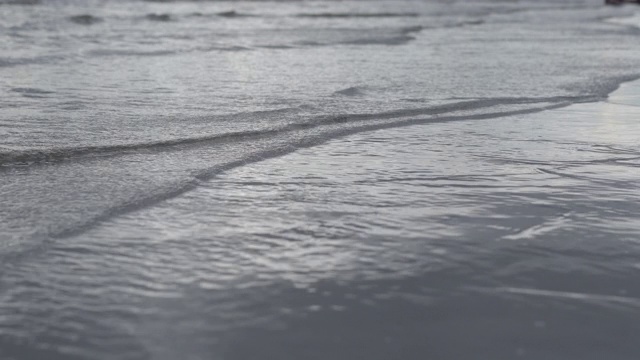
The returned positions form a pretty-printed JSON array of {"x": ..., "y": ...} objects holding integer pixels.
[{"x": 321, "y": 179}]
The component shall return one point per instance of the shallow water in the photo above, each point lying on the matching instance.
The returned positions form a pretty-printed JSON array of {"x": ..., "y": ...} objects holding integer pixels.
[
  {"x": 512, "y": 237},
  {"x": 319, "y": 180}
]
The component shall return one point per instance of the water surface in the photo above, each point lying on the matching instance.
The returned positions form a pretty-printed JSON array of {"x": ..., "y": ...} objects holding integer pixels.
[{"x": 331, "y": 180}]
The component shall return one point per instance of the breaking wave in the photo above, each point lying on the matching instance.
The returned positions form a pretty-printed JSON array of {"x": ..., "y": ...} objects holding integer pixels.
[{"x": 28, "y": 157}]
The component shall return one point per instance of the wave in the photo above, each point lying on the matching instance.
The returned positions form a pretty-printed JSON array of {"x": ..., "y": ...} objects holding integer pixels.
[
  {"x": 277, "y": 47},
  {"x": 127, "y": 52},
  {"x": 9, "y": 62},
  {"x": 401, "y": 36},
  {"x": 20, "y": 2},
  {"x": 372, "y": 36},
  {"x": 30, "y": 157},
  {"x": 225, "y": 14},
  {"x": 231, "y": 14},
  {"x": 31, "y": 91},
  {"x": 351, "y": 91},
  {"x": 296, "y": 136},
  {"x": 329, "y": 37},
  {"x": 411, "y": 29},
  {"x": 117, "y": 52},
  {"x": 393, "y": 40},
  {"x": 465, "y": 23},
  {"x": 159, "y": 17},
  {"x": 357, "y": 15},
  {"x": 85, "y": 19},
  {"x": 224, "y": 48},
  {"x": 295, "y": 143}
]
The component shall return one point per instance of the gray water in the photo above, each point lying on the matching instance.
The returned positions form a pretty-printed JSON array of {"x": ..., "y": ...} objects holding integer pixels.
[{"x": 319, "y": 180}]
